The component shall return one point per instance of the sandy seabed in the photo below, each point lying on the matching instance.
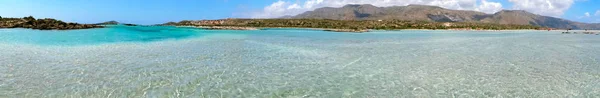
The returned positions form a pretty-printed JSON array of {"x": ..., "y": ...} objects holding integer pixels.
[{"x": 293, "y": 63}]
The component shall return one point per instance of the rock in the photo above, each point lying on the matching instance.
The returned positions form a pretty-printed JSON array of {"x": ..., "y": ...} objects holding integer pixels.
[
  {"x": 130, "y": 24},
  {"x": 42, "y": 24}
]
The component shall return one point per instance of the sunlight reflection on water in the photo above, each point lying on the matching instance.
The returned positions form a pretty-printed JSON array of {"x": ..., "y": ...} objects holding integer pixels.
[{"x": 303, "y": 63}]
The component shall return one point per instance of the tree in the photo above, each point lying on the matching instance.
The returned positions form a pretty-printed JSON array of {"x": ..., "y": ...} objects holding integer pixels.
[{"x": 30, "y": 18}]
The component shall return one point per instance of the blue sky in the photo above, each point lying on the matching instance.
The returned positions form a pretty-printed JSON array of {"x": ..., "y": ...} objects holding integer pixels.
[
  {"x": 129, "y": 11},
  {"x": 160, "y": 11}
]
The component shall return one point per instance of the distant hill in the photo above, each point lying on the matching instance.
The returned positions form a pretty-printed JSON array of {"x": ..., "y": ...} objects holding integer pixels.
[
  {"x": 109, "y": 23},
  {"x": 115, "y": 23},
  {"x": 439, "y": 14}
]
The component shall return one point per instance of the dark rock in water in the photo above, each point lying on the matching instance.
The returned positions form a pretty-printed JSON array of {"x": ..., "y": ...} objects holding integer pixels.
[
  {"x": 130, "y": 24},
  {"x": 588, "y": 32},
  {"x": 42, "y": 24}
]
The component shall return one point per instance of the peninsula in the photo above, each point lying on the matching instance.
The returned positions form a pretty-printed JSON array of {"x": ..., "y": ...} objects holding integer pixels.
[
  {"x": 344, "y": 25},
  {"x": 42, "y": 24}
]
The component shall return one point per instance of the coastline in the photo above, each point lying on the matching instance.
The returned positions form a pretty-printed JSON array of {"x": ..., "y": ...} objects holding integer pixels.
[
  {"x": 343, "y": 25},
  {"x": 348, "y": 30},
  {"x": 588, "y": 32},
  {"x": 261, "y": 28},
  {"x": 226, "y": 28}
]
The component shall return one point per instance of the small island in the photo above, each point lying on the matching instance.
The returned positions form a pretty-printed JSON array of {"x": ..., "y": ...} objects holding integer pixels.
[
  {"x": 42, "y": 24},
  {"x": 115, "y": 23},
  {"x": 109, "y": 23}
]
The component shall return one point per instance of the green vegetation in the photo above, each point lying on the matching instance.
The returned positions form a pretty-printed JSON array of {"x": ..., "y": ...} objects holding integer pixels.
[{"x": 351, "y": 24}]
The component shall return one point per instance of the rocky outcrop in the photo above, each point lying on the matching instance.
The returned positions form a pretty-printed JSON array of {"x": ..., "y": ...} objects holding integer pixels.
[
  {"x": 130, "y": 24},
  {"x": 11, "y": 22},
  {"x": 42, "y": 24}
]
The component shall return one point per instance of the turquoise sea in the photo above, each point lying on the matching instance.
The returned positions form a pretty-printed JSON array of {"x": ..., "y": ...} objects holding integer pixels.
[{"x": 155, "y": 61}]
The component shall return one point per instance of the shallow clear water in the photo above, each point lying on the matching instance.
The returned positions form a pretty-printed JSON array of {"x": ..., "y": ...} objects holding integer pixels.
[
  {"x": 296, "y": 63},
  {"x": 111, "y": 34}
]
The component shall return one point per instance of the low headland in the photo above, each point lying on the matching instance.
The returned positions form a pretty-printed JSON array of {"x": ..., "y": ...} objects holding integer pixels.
[
  {"x": 357, "y": 26},
  {"x": 345, "y": 25},
  {"x": 42, "y": 24}
]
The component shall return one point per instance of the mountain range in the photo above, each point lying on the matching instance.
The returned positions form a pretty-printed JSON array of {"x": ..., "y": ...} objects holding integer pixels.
[{"x": 439, "y": 14}]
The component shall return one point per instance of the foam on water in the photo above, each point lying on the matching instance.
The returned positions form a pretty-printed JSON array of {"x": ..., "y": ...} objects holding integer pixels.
[{"x": 307, "y": 63}]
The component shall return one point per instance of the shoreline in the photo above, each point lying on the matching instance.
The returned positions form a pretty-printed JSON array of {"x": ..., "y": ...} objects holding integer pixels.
[
  {"x": 262, "y": 28},
  {"x": 351, "y": 30},
  {"x": 590, "y": 32},
  {"x": 226, "y": 28},
  {"x": 344, "y": 30}
]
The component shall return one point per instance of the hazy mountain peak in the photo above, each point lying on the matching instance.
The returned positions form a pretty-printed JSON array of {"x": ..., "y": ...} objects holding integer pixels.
[
  {"x": 420, "y": 5},
  {"x": 522, "y": 11},
  {"x": 358, "y": 5},
  {"x": 515, "y": 11}
]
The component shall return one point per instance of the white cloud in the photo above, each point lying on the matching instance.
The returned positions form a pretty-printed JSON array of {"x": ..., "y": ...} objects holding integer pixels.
[
  {"x": 554, "y": 8},
  {"x": 597, "y": 13},
  {"x": 283, "y": 8},
  {"x": 587, "y": 14},
  {"x": 489, "y": 7},
  {"x": 294, "y": 6}
]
